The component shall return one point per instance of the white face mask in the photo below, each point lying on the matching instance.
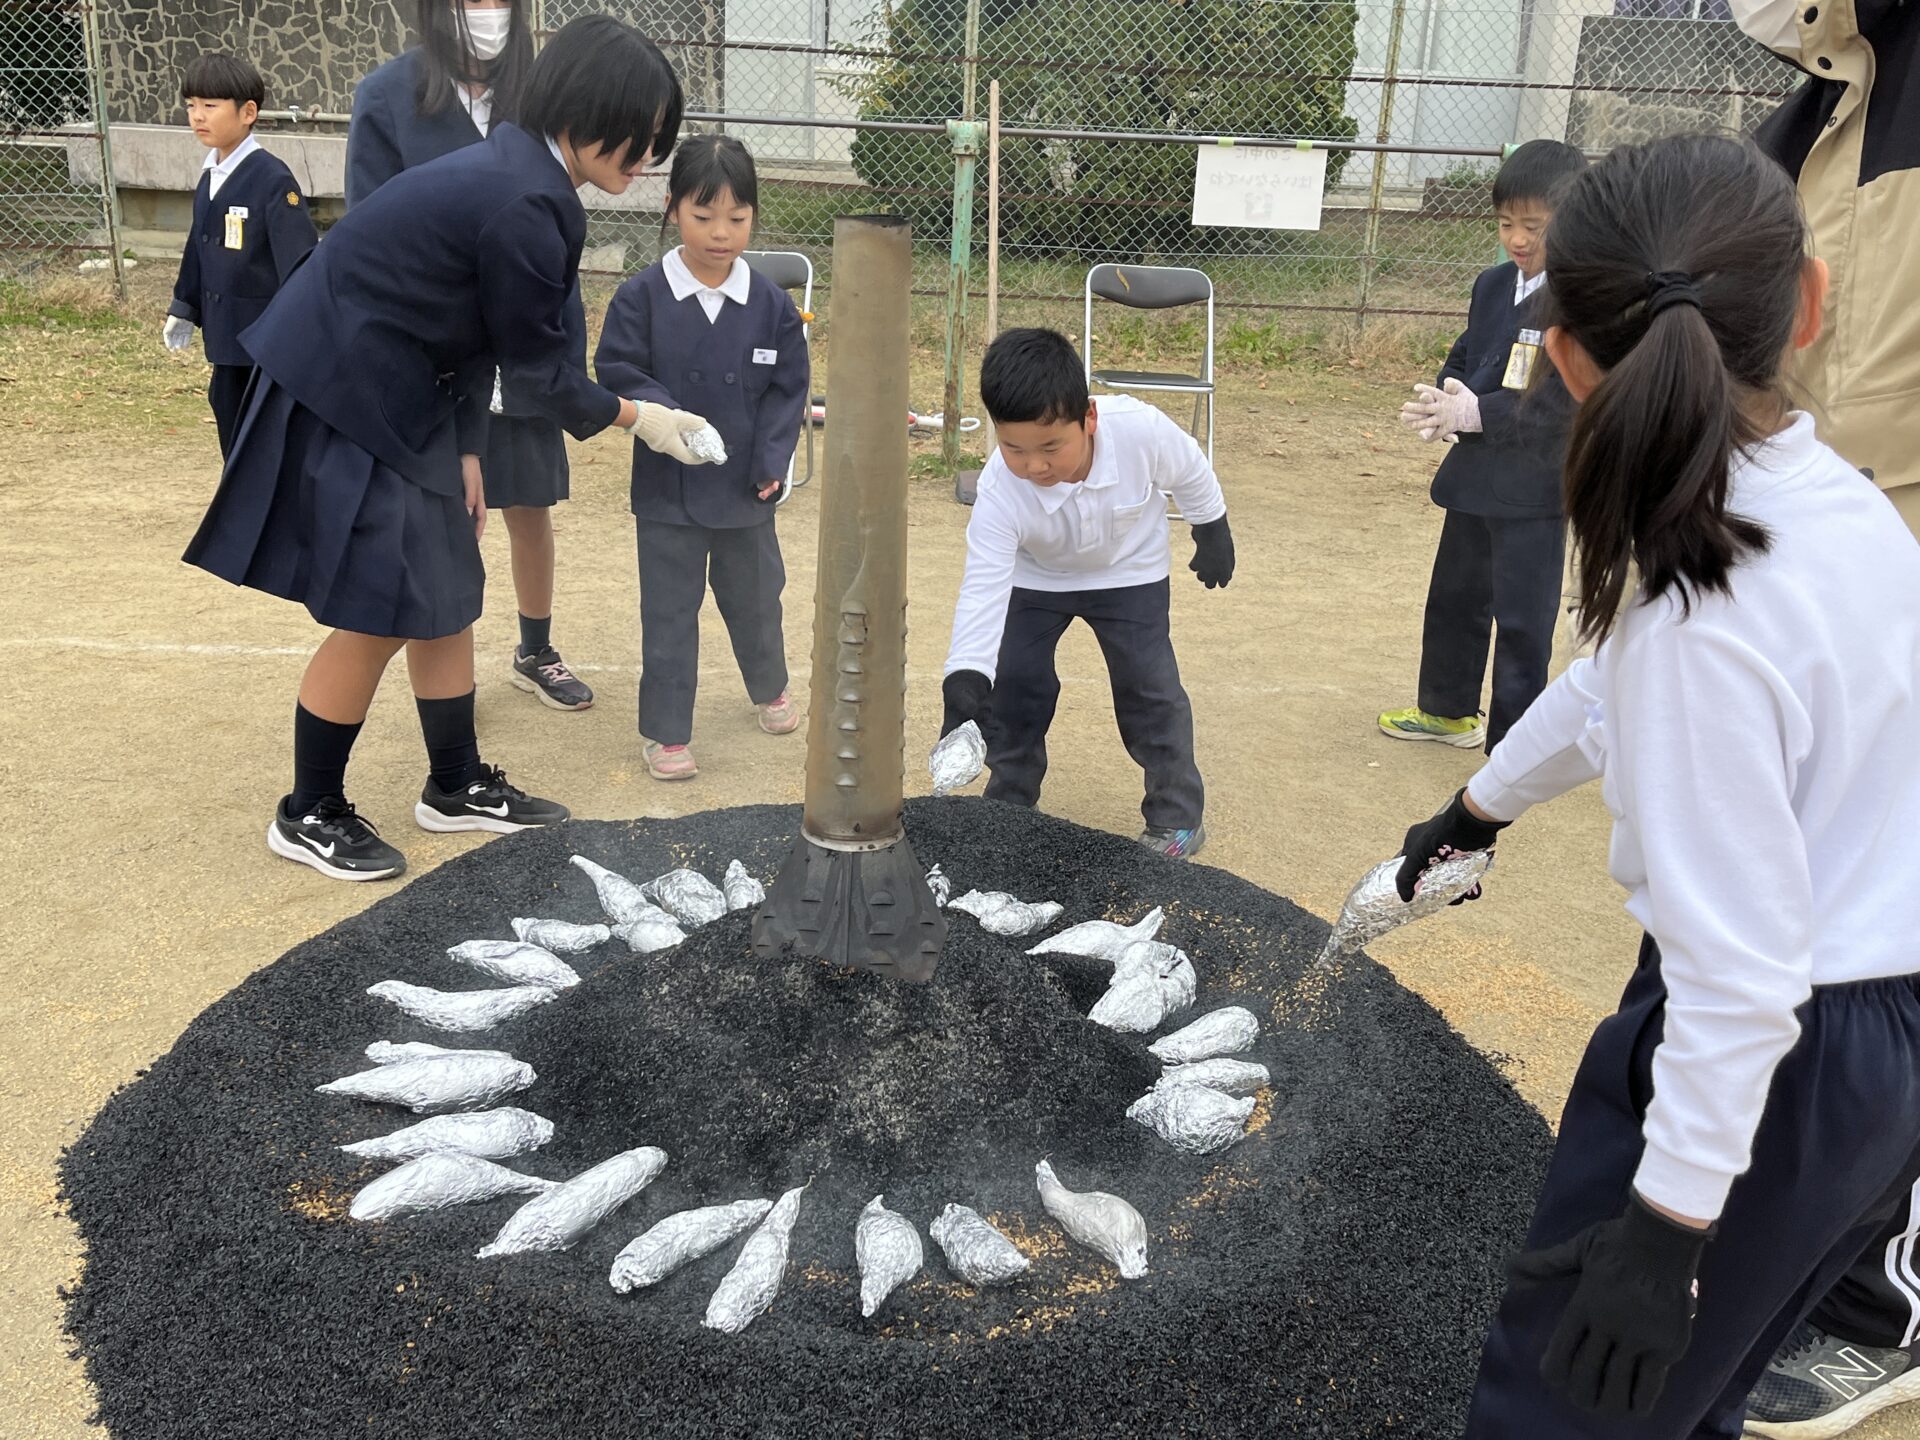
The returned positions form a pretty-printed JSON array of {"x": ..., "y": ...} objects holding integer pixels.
[{"x": 487, "y": 32}]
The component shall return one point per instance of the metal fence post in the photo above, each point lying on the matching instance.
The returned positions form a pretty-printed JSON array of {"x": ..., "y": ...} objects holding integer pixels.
[
  {"x": 109, "y": 190},
  {"x": 965, "y": 136},
  {"x": 1383, "y": 136}
]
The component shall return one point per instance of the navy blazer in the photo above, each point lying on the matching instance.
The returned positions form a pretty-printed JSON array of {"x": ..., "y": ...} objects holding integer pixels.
[
  {"x": 391, "y": 331},
  {"x": 224, "y": 290},
  {"x": 389, "y": 134},
  {"x": 745, "y": 371},
  {"x": 1512, "y": 469}
]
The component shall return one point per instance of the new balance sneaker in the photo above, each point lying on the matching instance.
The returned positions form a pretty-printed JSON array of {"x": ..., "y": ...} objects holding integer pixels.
[
  {"x": 334, "y": 840},
  {"x": 780, "y": 717},
  {"x": 1174, "y": 844},
  {"x": 547, "y": 677},
  {"x": 489, "y": 803},
  {"x": 1820, "y": 1385},
  {"x": 1413, "y": 723}
]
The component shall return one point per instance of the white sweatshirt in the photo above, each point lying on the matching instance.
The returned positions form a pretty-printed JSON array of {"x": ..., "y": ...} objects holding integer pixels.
[
  {"x": 1108, "y": 531},
  {"x": 1761, "y": 760}
]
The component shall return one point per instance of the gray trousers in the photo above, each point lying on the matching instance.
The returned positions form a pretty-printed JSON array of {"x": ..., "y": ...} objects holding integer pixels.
[{"x": 677, "y": 563}]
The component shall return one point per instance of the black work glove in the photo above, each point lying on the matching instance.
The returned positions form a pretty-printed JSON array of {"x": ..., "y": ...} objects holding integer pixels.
[
  {"x": 966, "y": 693},
  {"x": 1212, "y": 553},
  {"x": 1453, "y": 829},
  {"x": 1631, "y": 1314}
]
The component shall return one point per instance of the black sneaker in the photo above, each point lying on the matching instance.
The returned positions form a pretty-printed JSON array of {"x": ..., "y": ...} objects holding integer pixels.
[
  {"x": 546, "y": 676},
  {"x": 1174, "y": 844},
  {"x": 334, "y": 840},
  {"x": 1820, "y": 1385},
  {"x": 489, "y": 803}
]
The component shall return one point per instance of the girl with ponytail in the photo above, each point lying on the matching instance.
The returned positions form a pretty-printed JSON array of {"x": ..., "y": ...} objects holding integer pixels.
[{"x": 1750, "y": 1117}]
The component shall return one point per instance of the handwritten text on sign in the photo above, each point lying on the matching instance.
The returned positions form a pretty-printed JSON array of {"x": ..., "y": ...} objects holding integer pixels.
[{"x": 1261, "y": 188}]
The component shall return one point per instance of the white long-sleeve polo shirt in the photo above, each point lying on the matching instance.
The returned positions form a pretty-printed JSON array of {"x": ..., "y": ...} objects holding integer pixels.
[
  {"x": 1759, "y": 760},
  {"x": 1108, "y": 531}
]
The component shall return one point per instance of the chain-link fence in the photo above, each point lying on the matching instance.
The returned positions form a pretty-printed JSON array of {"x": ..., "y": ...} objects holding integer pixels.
[{"x": 55, "y": 206}]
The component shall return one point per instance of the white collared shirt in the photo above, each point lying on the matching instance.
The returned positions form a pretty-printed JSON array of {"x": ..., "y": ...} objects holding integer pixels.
[
  {"x": 223, "y": 168},
  {"x": 736, "y": 287},
  {"x": 1524, "y": 286},
  {"x": 479, "y": 106},
  {"x": 1108, "y": 531},
  {"x": 1757, "y": 758}
]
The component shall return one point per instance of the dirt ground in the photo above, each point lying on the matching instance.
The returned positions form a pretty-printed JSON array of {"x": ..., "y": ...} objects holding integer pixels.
[{"x": 144, "y": 740}]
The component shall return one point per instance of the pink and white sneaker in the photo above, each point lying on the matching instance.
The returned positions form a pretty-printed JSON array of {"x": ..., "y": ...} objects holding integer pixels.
[
  {"x": 669, "y": 762},
  {"x": 780, "y": 717}
]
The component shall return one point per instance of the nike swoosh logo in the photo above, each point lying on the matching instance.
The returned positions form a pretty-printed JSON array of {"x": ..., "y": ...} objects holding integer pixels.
[
  {"x": 500, "y": 809},
  {"x": 325, "y": 852}
]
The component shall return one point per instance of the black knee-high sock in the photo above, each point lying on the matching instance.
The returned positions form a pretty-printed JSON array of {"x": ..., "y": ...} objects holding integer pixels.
[
  {"x": 320, "y": 752},
  {"x": 535, "y": 635},
  {"x": 453, "y": 751}
]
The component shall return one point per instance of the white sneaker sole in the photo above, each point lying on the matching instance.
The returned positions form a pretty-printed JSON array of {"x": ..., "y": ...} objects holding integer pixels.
[
  {"x": 287, "y": 850},
  {"x": 428, "y": 818},
  {"x": 1465, "y": 740},
  {"x": 521, "y": 682},
  {"x": 1858, "y": 1412}
]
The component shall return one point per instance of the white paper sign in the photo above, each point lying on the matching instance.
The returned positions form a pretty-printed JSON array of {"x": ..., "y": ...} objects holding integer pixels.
[{"x": 1258, "y": 187}]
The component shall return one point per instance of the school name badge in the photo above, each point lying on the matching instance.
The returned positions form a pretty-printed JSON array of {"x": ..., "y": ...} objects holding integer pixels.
[
  {"x": 1520, "y": 360},
  {"x": 236, "y": 227}
]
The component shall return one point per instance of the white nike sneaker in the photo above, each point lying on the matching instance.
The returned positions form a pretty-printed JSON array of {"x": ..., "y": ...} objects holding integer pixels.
[
  {"x": 489, "y": 803},
  {"x": 334, "y": 840}
]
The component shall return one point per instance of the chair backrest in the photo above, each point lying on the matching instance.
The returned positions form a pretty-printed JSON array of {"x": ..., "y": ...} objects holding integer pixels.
[
  {"x": 788, "y": 269},
  {"x": 1150, "y": 287}
]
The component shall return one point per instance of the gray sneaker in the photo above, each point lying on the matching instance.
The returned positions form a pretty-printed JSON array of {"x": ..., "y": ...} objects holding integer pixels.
[
  {"x": 1820, "y": 1385},
  {"x": 547, "y": 677}
]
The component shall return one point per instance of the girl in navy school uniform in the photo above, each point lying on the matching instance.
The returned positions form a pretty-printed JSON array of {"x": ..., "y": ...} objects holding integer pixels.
[
  {"x": 1747, "y": 1122},
  {"x": 700, "y": 327},
  {"x": 465, "y": 76},
  {"x": 355, "y": 485}
]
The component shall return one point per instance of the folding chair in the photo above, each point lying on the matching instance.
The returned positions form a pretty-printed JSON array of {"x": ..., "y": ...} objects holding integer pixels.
[
  {"x": 791, "y": 270},
  {"x": 1154, "y": 287}
]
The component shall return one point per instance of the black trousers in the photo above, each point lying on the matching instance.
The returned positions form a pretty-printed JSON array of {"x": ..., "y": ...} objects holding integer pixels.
[
  {"x": 1149, "y": 702},
  {"x": 227, "y": 394},
  {"x": 1877, "y": 1301},
  {"x": 1837, "y": 1152},
  {"x": 677, "y": 563},
  {"x": 1491, "y": 571}
]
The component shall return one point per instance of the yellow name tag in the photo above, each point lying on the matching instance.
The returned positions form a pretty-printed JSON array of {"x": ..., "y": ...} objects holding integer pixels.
[
  {"x": 1520, "y": 365},
  {"x": 236, "y": 227}
]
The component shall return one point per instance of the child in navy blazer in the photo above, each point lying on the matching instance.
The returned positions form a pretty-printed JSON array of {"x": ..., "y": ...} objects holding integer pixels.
[
  {"x": 250, "y": 228},
  {"x": 354, "y": 486},
  {"x": 700, "y": 327},
  {"x": 465, "y": 76},
  {"x": 1503, "y": 548}
]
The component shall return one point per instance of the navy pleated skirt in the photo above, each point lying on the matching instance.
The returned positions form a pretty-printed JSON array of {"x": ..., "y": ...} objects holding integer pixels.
[
  {"x": 526, "y": 462},
  {"x": 304, "y": 513}
]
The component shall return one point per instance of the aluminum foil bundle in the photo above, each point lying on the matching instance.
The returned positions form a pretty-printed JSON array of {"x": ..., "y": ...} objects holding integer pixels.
[
  {"x": 620, "y": 898},
  {"x": 975, "y": 1251},
  {"x": 688, "y": 896},
  {"x": 461, "y": 1010},
  {"x": 680, "y": 1238},
  {"x": 656, "y": 930},
  {"x": 436, "y": 1082},
  {"x": 1226, "y": 1031},
  {"x": 748, "y": 1289},
  {"x": 1375, "y": 907},
  {"x": 562, "y": 937},
  {"x": 1192, "y": 1117},
  {"x": 889, "y": 1251},
  {"x": 1102, "y": 939},
  {"x": 1105, "y": 1224},
  {"x": 386, "y": 1052},
  {"x": 940, "y": 885},
  {"x": 516, "y": 962},
  {"x": 490, "y": 1134},
  {"x": 1230, "y": 1077},
  {"x": 1150, "y": 982},
  {"x": 743, "y": 892},
  {"x": 958, "y": 759},
  {"x": 434, "y": 1182},
  {"x": 707, "y": 445},
  {"x": 1001, "y": 914},
  {"x": 564, "y": 1215}
]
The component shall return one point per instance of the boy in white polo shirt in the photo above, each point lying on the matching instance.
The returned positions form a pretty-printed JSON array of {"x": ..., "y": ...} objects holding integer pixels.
[{"x": 1071, "y": 522}]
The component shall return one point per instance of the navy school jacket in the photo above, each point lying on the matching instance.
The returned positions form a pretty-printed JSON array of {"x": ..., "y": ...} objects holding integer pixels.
[
  {"x": 1512, "y": 469},
  {"x": 391, "y": 331},
  {"x": 390, "y": 134},
  {"x": 223, "y": 289},
  {"x": 746, "y": 372}
]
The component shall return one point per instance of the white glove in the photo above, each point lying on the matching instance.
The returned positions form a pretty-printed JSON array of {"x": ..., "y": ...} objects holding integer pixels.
[
  {"x": 665, "y": 431},
  {"x": 177, "y": 333},
  {"x": 1442, "y": 414}
]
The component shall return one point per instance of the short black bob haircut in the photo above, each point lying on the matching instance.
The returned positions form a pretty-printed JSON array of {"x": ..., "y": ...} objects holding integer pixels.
[
  {"x": 704, "y": 165},
  {"x": 1539, "y": 170},
  {"x": 220, "y": 76},
  {"x": 599, "y": 82},
  {"x": 1034, "y": 375}
]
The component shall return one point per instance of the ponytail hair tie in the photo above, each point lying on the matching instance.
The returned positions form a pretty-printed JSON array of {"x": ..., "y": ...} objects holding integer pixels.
[{"x": 1667, "y": 288}]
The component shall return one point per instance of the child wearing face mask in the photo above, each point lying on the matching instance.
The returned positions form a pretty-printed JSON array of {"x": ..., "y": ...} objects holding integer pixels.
[{"x": 465, "y": 76}]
